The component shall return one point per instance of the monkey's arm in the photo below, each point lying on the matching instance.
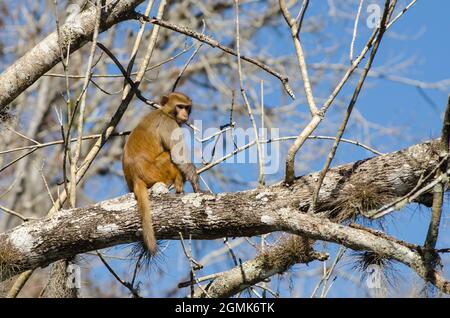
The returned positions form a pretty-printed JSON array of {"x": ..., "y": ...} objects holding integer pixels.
[{"x": 175, "y": 143}]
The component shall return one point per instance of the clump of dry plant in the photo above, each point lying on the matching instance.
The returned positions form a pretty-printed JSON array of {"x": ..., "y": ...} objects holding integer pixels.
[
  {"x": 9, "y": 260},
  {"x": 295, "y": 248}
]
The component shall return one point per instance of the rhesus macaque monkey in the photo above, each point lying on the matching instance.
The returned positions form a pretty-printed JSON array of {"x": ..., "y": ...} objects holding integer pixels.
[{"x": 155, "y": 152}]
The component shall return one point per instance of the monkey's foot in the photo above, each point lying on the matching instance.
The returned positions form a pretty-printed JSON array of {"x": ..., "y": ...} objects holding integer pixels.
[{"x": 159, "y": 188}]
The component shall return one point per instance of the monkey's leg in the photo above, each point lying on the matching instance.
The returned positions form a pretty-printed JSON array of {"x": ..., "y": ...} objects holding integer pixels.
[
  {"x": 160, "y": 169},
  {"x": 164, "y": 162}
]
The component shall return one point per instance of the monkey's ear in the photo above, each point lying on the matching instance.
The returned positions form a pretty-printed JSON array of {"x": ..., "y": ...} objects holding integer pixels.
[{"x": 164, "y": 100}]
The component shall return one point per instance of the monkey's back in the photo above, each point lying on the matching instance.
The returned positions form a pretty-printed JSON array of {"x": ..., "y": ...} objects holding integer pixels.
[{"x": 143, "y": 152}]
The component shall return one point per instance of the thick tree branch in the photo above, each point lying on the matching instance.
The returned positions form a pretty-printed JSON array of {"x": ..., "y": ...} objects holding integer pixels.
[
  {"x": 46, "y": 54},
  {"x": 346, "y": 190},
  {"x": 290, "y": 251},
  {"x": 356, "y": 238}
]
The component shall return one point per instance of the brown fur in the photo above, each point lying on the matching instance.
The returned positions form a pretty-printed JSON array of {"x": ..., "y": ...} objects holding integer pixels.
[{"x": 148, "y": 158}]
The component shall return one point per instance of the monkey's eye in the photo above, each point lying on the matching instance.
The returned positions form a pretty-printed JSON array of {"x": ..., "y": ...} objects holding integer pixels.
[{"x": 186, "y": 107}]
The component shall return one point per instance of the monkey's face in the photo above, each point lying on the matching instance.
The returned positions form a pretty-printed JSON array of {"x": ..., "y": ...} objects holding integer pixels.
[
  {"x": 182, "y": 113},
  {"x": 177, "y": 105}
]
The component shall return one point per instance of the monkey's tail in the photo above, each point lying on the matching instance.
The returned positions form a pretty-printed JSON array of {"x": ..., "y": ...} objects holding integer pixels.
[{"x": 148, "y": 234}]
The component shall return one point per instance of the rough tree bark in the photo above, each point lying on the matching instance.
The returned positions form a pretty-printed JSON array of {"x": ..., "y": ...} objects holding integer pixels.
[
  {"x": 46, "y": 54},
  {"x": 347, "y": 190}
]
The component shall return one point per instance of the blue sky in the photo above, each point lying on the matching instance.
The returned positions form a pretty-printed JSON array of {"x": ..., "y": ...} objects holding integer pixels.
[{"x": 421, "y": 35}]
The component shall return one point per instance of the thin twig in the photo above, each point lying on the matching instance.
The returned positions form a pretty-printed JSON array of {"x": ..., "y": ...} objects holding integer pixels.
[
  {"x": 17, "y": 214},
  {"x": 59, "y": 142},
  {"x": 386, "y": 15},
  {"x": 127, "y": 285},
  {"x": 131, "y": 84},
  {"x": 355, "y": 30},
  {"x": 317, "y": 119},
  {"x": 214, "y": 43},
  {"x": 210, "y": 164},
  {"x": 21, "y": 135},
  {"x": 17, "y": 159},
  {"x": 9, "y": 188},
  {"x": 265, "y": 288},
  {"x": 417, "y": 191},
  {"x": 401, "y": 13},
  {"x": 170, "y": 59},
  {"x": 438, "y": 196},
  {"x": 230, "y": 250},
  {"x": 81, "y": 103},
  {"x": 65, "y": 65},
  {"x": 246, "y": 102},
  {"x": 327, "y": 273},
  {"x": 252, "y": 143},
  {"x": 300, "y": 56},
  {"x": 301, "y": 16},
  {"x": 109, "y": 127},
  {"x": 188, "y": 60},
  {"x": 339, "y": 256},
  {"x": 194, "y": 265},
  {"x": 198, "y": 280},
  {"x": 185, "y": 66},
  {"x": 46, "y": 185},
  {"x": 261, "y": 179}
]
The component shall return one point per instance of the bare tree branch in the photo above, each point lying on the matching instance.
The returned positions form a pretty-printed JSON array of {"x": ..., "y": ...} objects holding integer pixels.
[
  {"x": 46, "y": 54},
  {"x": 214, "y": 43},
  {"x": 431, "y": 255},
  {"x": 247, "y": 213}
]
